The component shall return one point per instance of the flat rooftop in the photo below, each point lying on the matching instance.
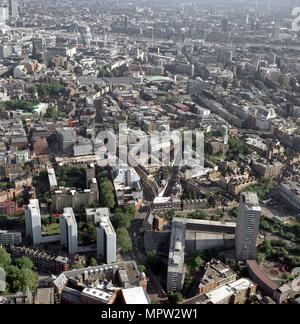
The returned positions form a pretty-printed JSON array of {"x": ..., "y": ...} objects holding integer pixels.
[
  {"x": 69, "y": 216},
  {"x": 250, "y": 198},
  {"x": 101, "y": 212},
  {"x": 218, "y": 295},
  {"x": 135, "y": 296},
  {"x": 34, "y": 208},
  {"x": 107, "y": 226},
  {"x": 101, "y": 295},
  {"x": 164, "y": 200},
  {"x": 205, "y": 222},
  {"x": 216, "y": 271},
  {"x": 52, "y": 177},
  {"x": 177, "y": 247}
]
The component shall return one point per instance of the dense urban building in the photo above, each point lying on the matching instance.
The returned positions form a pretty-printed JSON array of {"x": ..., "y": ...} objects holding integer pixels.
[
  {"x": 42, "y": 261},
  {"x": 216, "y": 274},
  {"x": 164, "y": 133},
  {"x": 8, "y": 238}
]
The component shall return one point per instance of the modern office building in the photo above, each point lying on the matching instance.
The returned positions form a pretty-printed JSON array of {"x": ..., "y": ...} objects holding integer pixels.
[
  {"x": 176, "y": 268},
  {"x": 66, "y": 139},
  {"x": 13, "y": 8},
  {"x": 37, "y": 47},
  {"x": 83, "y": 146},
  {"x": 247, "y": 226},
  {"x": 127, "y": 184},
  {"x": 106, "y": 241},
  {"x": 69, "y": 231},
  {"x": 33, "y": 221},
  {"x": 75, "y": 198},
  {"x": 8, "y": 238}
]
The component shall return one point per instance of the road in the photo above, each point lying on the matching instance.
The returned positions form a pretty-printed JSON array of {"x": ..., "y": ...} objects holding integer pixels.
[
  {"x": 167, "y": 191},
  {"x": 155, "y": 289}
]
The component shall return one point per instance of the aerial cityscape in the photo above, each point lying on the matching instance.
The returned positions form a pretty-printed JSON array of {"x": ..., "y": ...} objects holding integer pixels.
[{"x": 149, "y": 152}]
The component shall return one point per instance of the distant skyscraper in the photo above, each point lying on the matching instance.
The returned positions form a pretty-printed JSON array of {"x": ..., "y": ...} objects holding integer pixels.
[
  {"x": 37, "y": 47},
  {"x": 3, "y": 13},
  {"x": 225, "y": 25},
  {"x": 33, "y": 221},
  {"x": 226, "y": 136},
  {"x": 247, "y": 226},
  {"x": 13, "y": 8},
  {"x": 69, "y": 231}
]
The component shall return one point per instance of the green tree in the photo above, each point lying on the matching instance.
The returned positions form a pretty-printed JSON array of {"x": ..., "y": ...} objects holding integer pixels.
[
  {"x": 4, "y": 185},
  {"x": 33, "y": 90},
  {"x": 124, "y": 240},
  {"x": 5, "y": 259},
  {"x": 200, "y": 215},
  {"x": 21, "y": 199},
  {"x": 142, "y": 268},
  {"x": 106, "y": 193},
  {"x": 78, "y": 70},
  {"x": 121, "y": 219},
  {"x": 130, "y": 211},
  {"x": 237, "y": 147},
  {"x": 260, "y": 258},
  {"x": 263, "y": 188},
  {"x": 264, "y": 225},
  {"x": 24, "y": 263},
  {"x": 51, "y": 89},
  {"x": 173, "y": 100},
  {"x": 52, "y": 219},
  {"x": 266, "y": 248},
  {"x": 62, "y": 184},
  {"x": 104, "y": 72},
  {"x": 108, "y": 200},
  {"x": 154, "y": 262},
  {"x": 93, "y": 262},
  {"x": 76, "y": 267},
  {"x": 52, "y": 113},
  {"x": 21, "y": 105},
  {"x": 115, "y": 73},
  {"x": 88, "y": 233},
  {"x": 92, "y": 231},
  {"x": 175, "y": 297},
  {"x": 19, "y": 280},
  {"x": 196, "y": 263}
]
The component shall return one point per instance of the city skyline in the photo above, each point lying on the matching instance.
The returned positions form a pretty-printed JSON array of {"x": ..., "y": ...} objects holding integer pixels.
[{"x": 149, "y": 154}]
